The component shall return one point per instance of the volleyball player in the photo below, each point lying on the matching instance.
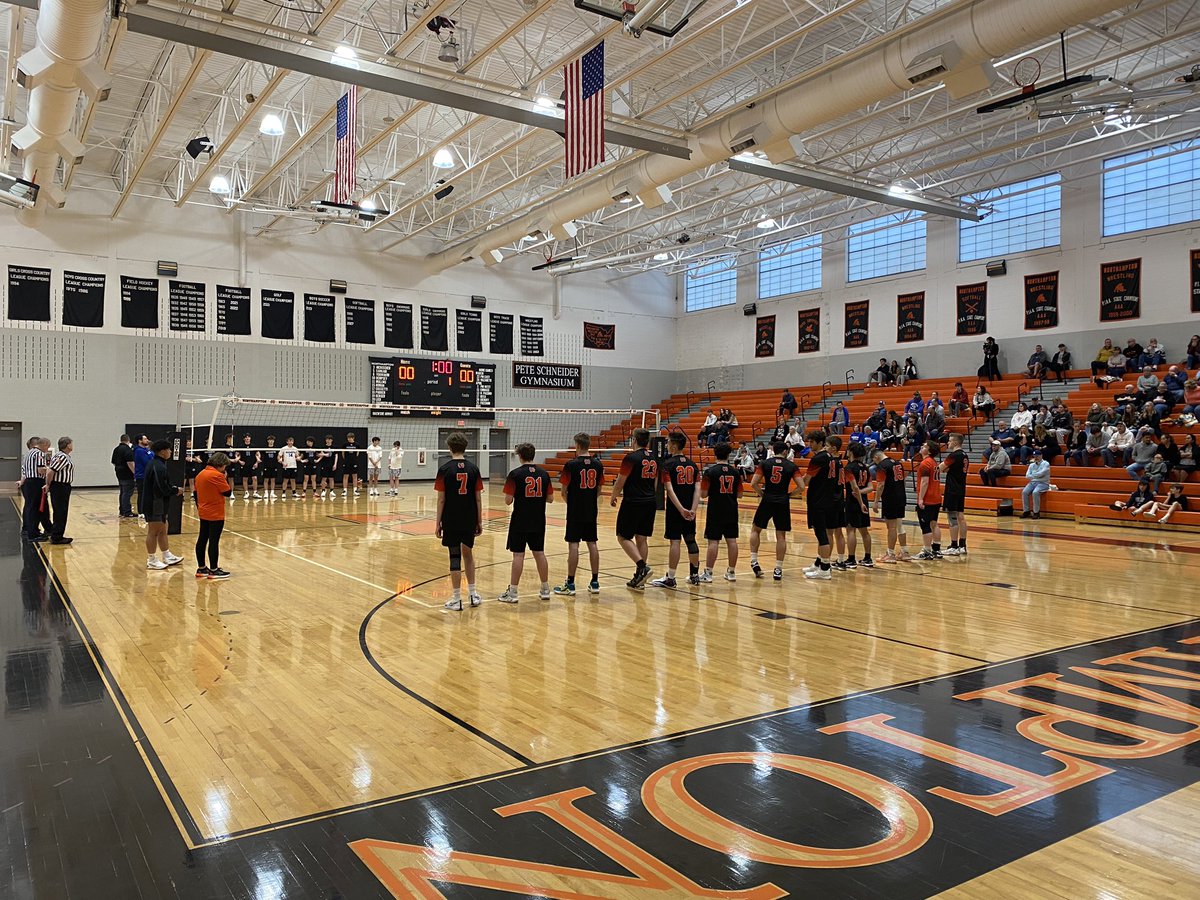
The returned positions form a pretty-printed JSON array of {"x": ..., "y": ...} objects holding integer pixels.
[
  {"x": 837, "y": 516},
  {"x": 721, "y": 485},
  {"x": 858, "y": 514},
  {"x": 269, "y": 466},
  {"x": 929, "y": 501},
  {"x": 527, "y": 490},
  {"x": 582, "y": 480},
  {"x": 233, "y": 472},
  {"x": 635, "y": 520},
  {"x": 822, "y": 487},
  {"x": 155, "y": 504},
  {"x": 192, "y": 464},
  {"x": 395, "y": 463},
  {"x": 955, "y": 496},
  {"x": 459, "y": 517},
  {"x": 327, "y": 466},
  {"x": 679, "y": 476},
  {"x": 289, "y": 462},
  {"x": 310, "y": 459},
  {"x": 776, "y": 481},
  {"x": 349, "y": 463},
  {"x": 250, "y": 468},
  {"x": 374, "y": 464},
  {"x": 891, "y": 498}
]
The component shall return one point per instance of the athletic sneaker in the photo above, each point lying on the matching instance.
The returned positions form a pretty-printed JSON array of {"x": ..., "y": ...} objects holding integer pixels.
[
  {"x": 924, "y": 555},
  {"x": 819, "y": 575},
  {"x": 566, "y": 589},
  {"x": 756, "y": 569},
  {"x": 730, "y": 575},
  {"x": 706, "y": 578},
  {"x": 950, "y": 551},
  {"x": 507, "y": 597},
  {"x": 639, "y": 579},
  {"x": 889, "y": 557},
  {"x": 594, "y": 586},
  {"x": 474, "y": 598},
  {"x": 256, "y": 495},
  {"x": 344, "y": 493},
  {"x": 202, "y": 572},
  {"x": 778, "y": 573},
  {"x": 867, "y": 563},
  {"x": 838, "y": 566},
  {"x": 693, "y": 579},
  {"x": 937, "y": 554},
  {"x": 850, "y": 564},
  {"x": 454, "y": 604},
  {"x": 665, "y": 582},
  {"x": 905, "y": 557},
  {"x": 156, "y": 563},
  {"x": 813, "y": 568},
  {"x": 171, "y": 559},
  {"x": 295, "y": 495},
  {"x": 217, "y": 573},
  {"x": 544, "y": 593}
]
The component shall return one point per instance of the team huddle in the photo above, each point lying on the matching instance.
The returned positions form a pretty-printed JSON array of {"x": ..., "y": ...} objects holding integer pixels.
[{"x": 836, "y": 491}]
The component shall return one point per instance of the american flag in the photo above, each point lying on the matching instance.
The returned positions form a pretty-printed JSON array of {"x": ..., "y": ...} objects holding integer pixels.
[
  {"x": 345, "y": 167},
  {"x": 584, "y": 80}
]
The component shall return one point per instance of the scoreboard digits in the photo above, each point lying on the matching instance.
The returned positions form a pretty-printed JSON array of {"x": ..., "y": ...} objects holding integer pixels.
[{"x": 407, "y": 381}]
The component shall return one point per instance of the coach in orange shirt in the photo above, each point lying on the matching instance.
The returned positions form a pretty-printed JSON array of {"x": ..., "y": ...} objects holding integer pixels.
[
  {"x": 929, "y": 501},
  {"x": 211, "y": 490}
]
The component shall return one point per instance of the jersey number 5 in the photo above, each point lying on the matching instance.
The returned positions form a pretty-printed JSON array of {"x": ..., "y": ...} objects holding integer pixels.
[{"x": 776, "y": 474}]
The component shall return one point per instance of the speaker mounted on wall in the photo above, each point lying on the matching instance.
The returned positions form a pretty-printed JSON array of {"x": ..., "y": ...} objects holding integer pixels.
[
  {"x": 996, "y": 267},
  {"x": 337, "y": 286},
  {"x": 478, "y": 302},
  {"x": 167, "y": 268}
]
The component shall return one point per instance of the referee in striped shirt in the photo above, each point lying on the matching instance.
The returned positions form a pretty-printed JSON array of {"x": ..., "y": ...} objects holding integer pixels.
[
  {"x": 60, "y": 473},
  {"x": 35, "y": 520}
]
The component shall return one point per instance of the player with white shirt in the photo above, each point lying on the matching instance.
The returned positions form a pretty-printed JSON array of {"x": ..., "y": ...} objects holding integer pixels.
[
  {"x": 374, "y": 465},
  {"x": 289, "y": 461},
  {"x": 395, "y": 463}
]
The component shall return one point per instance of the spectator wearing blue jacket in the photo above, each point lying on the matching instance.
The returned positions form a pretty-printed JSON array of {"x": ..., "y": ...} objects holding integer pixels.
[
  {"x": 915, "y": 406},
  {"x": 839, "y": 418},
  {"x": 1037, "y": 474},
  {"x": 142, "y": 456}
]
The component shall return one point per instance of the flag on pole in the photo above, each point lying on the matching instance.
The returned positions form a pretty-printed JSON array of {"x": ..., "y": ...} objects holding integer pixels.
[
  {"x": 584, "y": 80},
  {"x": 345, "y": 167}
]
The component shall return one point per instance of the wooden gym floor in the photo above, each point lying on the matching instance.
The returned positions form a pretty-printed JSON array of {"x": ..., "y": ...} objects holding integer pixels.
[{"x": 320, "y": 709}]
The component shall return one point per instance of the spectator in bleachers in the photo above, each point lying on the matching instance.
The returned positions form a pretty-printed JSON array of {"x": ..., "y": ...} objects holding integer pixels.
[
  {"x": 1126, "y": 396},
  {"x": 1189, "y": 456},
  {"x": 1035, "y": 366},
  {"x": 935, "y": 400},
  {"x": 1147, "y": 384},
  {"x": 882, "y": 375},
  {"x": 1022, "y": 448},
  {"x": 998, "y": 465},
  {"x": 864, "y": 434},
  {"x": 1191, "y": 397},
  {"x": 895, "y": 370},
  {"x": 839, "y": 418},
  {"x": 781, "y": 429},
  {"x": 1192, "y": 358},
  {"x": 908, "y": 372},
  {"x": 1170, "y": 454},
  {"x": 787, "y": 404},
  {"x": 991, "y": 361},
  {"x": 795, "y": 442},
  {"x": 1045, "y": 440},
  {"x": 1143, "y": 450},
  {"x": 1174, "y": 502},
  {"x": 1148, "y": 421},
  {"x": 934, "y": 422},
  {"x": 1120, "y": 447},
  {"x": 913, "y": 437},
  {"x": 960, "y": 401},
  {"x": 1062, "y": 422},
  {"x": 888, "y": 437},
  {"x": 1141, "y": 496},
  {"x": 1162, "y": 403},
  {"x": 1022, "y": 417},
  {"x": 710, "y": 422},
  {"x": 745, "y": 461},
  {"x": 1037, "y": 475},
  {"x": 1060, "y": 363},
  {"x": 1172, "y": 383},
  {"x": 1041, "y": 414},
  {"x": 1114, "y": 372},
  {"x": 878, "y": 420},
  {"x": 915, "y": 406},
  {"x": 1094, "y": 445},
  {"x": 1005, "y": 435},
  {"x": 1103, "y": 355},
  {"x": 1157, "y": 471},
  {"x": 1095, "y": 415},
  {"x": 1133, "y": 354},
  {"x": 760, "y": 451},
  {"x": 1154, "y": 355},
  {"x": 982, "y": 403}
]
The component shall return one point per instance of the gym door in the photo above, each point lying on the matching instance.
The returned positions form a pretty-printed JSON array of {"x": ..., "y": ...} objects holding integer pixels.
[{"x": 10, "y": 453}]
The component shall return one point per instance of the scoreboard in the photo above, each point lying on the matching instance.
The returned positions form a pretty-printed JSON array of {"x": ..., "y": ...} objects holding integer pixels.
[{"x": 467, "y": 388}]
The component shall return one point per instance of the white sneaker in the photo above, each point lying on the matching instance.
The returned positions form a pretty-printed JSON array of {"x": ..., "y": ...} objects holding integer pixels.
[
  {"x": 731, "y": 576},
  {"x": 778, "y": 573},
  {"x": 156, "y": 563},
  {"x": 706, "y": 578},
  {"x": 171, "y": 559},
  {"x": 507, "y": 597},
  {"x": 819, "y": 575},
  {"x": 453, "y": 604},
  {"x": 544, "y": 594},
  {"x": 256, "y": 495},
  {"x": 474, "y": 598},
  {"x": 344, "y": 493}
]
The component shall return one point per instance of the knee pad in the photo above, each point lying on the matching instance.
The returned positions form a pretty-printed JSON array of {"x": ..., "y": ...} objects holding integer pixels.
[
  {"x": 692, "y": 547},
  {"x": 455, "y": 559}
]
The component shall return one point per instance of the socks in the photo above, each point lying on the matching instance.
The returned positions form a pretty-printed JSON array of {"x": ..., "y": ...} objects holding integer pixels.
[
  {"x": 570, "y": 579},
  {"x": 823, "y": 564},
  {"x": 545, "y": 587},
  {"x": 670, "y": 573},
  {"x": 456, "y": 595},
  {"x": 694, "y": 570},
  {"x": 851, "y": 559},
  {"x": 512, "y": 590},
  {"x": 937, "y": 548},
  {"x": 754, "y": 559},
  {"x": 954, "y": 545},
  {"x": 471, "y": 589}
]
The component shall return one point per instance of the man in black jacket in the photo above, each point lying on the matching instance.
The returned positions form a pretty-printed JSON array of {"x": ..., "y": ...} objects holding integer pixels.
[
  {"x": 123, "y": 465},
  {"x": 155, "y": 503}
]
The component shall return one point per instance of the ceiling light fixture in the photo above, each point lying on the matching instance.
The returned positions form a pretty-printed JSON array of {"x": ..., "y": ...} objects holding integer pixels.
[
  {"x": 661, "y": 257},
  {"x": 899, "y": 190},
  {"x": 626, "y": 199},
  {"x": 219, "y": 186},
  {"x": 767, "y": 223},
  {"x": 443, "y": 159},
  {"x": 271, "y": 125},
  {"x": 368, "y": 203},
  {"x": 344, "y": 52},
  {"x": 544, "y": 102}
]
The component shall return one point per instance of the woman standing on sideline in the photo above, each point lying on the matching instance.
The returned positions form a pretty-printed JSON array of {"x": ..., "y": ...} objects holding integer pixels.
[
  {"x": 211, "y": 491},
  {"x": 991, "y": 361},
  {"x": 60, "y": 473},
  {"x": 155, "y": 501}
]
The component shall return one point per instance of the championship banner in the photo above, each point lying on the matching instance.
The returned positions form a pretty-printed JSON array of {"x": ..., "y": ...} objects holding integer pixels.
[
  {"x": 468, "y": 328},
  {"x": 971, "y": 309},
  {"x": 434, "y": 327},
  {"x": 764, "y": 337},
  {"x": 360, "y": 321},
  {"x": 29, "y": 294},
  {"x": 1121, "y": 290},
  {"x": 139, "y": 302},
  {"x": 599, "y": 337},
  {"x": 318, "y": 318},
  {"x": 186, "y": 305},
  {"x": 1196, "y": 281},
  {"x": 83, "y": 299},
  {"x": 278, "y": 315},
  {"x": 397, "y": 325},
  {"x": 910, "y": 317},
  {"x": 547, "y": 376},
  {"x": 500, "y": 334},
  {"x": 1041, "y": 301},
  {"x": 809, "y": 322},
  {"x": 532, "y": 341},
  {"x": 857, "y": 324},
  {"x": 233, "y": 310}
]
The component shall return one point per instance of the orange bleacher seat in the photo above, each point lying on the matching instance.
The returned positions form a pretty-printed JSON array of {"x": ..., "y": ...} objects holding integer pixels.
[{"x": 1102, "y": 515}]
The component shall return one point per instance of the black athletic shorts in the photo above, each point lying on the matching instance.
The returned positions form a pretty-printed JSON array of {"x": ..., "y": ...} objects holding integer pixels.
[
  {"x": 270, "y": 473},
  {"x": 324, "y": 470},
  {"x": 894, "y": 509},
  {"x": 635, "y": 519},
  {"x": 777, "y": 514},
  {"x": 954, "y": 501},
  {"x": 819, "y": 516},
  {"x": 158, "y": 518},
  {"x": 233, "y": 472},
  {"x": 835, "y": 516},
  {"x": 454, "y": 538},
  {"x": 717, "y": 530},
  {"x": 855, "y": 517},
  {"x": 582, "y": 531},
  {"x": 927, "y": 516},
  {"x": 678, "y": 527},
  {"x": 519, "y": 540}
]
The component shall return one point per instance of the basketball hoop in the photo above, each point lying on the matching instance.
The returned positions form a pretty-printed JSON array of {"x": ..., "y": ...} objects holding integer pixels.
[{"x": 1026, "y": 73}]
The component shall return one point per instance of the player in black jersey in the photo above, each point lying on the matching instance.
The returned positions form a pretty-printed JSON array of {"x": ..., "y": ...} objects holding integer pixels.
[
  {"x": 821, "y": 482},
  {"x": 459, "y": 516},
  {"x": 527, "y": 490},
  {"x": 233, "y": 472},
  {"x": 955, "y": 495},
  {"x": 327, "y": 467},
  {"x": 858, "y": 515},
  {"x": 837, "y": 518},
  {"x": 721, "y": 485},
  {"x": 776, "y": 481},
  {"x": 250, "y": 468},
  {"x": 269, "y": 466},
  {"x": 892, "y": 498},
  {"x": 350, "y": 463},
  {"x": 635, "y": 520},
  {"x": 582, "y": 479},
  {"x": 310, "y": 459},
  {"x": 194, "y": 461},
  {"x": 680, "y": 475}
]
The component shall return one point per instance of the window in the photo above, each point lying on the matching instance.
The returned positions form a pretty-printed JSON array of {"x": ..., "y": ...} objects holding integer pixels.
[
  {"x": 1152, "y": 188},
  {"x": 885, "y": 246},
  {"x": 1025, "y": 216},
  {"x": 711, "y": 283},
  {"x": 789, "y": 267}
]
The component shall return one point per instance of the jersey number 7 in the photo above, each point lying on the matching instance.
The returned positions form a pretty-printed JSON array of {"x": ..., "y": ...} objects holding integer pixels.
[{"x": 462, "y": 481}]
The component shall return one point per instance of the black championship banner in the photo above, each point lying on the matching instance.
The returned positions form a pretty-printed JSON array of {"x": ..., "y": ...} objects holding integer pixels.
[
  {"x": 764, "y": 337},
  {"x": 532, "y": 343},
  {"x": 468, "y": 330},
  {"x": 28, "y": 294},
  {"x": 910, "y": 317},
  {"x": 397, "y": 325},
  {"x": 970, "y": 309},
  {"x": 1121, "y": 290},
  {"x": 1041, "y": 301},
  {"x": 857, "y": 328},
  {"x": 360, "y": 321},
  {"x": 1196, "y": 281},
  {"x": 83, "y": 299},
  {"x": 233, "y": 310},
  {"x": 500, "y": 334},
  {"x": 547, "y": 376},
  {"x": 186, "y": 306},
  {"x": 434, "y": 325},
  {"x": 318, "y": 318},
  {"x": 809, "y": 321},
  {"x": 278, "y": 315},
  {"x": 599, "y": 337},
  {"x": 139, "y": 302}
]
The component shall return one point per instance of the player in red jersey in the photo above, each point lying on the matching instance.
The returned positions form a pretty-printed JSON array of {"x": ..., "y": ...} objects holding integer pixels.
[
  {"x": 635, "y": 520},
  {"x": 721, "y": 485},
  {"x": 459, "y": 516},
  {"x": 582, "y": 479},
  {"x": 527, "y": 490},
  {"x": 680, "y": 475},
  {"x": 776, "y": 481}
]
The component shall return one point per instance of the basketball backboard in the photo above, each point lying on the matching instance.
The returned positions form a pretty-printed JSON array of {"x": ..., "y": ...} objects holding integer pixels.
[{"x": 662, "y": 17}]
